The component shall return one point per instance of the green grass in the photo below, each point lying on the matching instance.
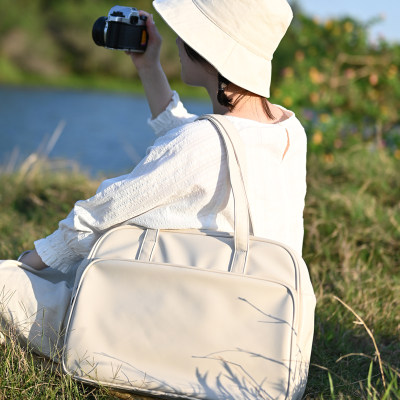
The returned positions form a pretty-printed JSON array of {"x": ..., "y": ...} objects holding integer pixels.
[
  {"x": 352, "y": 248},
  {"x": 25, "y": 376}
]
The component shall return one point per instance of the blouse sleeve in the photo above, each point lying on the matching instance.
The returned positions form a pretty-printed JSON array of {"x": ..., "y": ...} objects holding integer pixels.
[
  {"x": 172, "y": 175},
  {"x": 173, "y": 116}
]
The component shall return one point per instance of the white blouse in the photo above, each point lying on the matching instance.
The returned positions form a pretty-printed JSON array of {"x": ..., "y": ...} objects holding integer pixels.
[{"x": 183, "y": 182}]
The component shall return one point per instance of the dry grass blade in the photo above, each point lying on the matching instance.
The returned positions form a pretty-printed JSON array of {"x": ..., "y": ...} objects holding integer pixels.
[
  {"x": 361, "y": 321},
  {"x": 54, "y": 138},
  {"x": 28, "y": 165},
  {"x": 12, "y": 161}
]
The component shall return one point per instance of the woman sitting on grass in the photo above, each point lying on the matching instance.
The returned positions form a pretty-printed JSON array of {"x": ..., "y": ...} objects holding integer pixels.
[{"x": 183, "y": 181}]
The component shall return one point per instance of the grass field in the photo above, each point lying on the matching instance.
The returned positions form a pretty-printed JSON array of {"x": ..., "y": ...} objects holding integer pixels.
[{"x": 352, "y": 248}]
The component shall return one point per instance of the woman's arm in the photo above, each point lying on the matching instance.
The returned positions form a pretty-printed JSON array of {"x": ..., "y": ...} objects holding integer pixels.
[
  {"x": 167, "y": 111},
  {"x": 32, "y": 259},
  {"x": 169, "y": 188},
  {"x": 155, "y": 83}
]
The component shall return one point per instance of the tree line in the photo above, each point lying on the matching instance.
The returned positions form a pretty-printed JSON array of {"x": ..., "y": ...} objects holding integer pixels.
[{"x": 344, "y": 87}]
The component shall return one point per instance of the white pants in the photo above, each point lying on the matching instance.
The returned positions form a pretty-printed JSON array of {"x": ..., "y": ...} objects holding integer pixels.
[{"x": 33, "y": 304}]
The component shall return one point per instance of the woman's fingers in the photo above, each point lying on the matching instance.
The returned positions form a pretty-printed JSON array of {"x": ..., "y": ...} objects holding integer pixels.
[{"x": 152, "y": 54}]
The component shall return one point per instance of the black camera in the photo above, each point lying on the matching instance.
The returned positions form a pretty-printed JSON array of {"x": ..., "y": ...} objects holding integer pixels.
[{"x": 123, "y": 29}]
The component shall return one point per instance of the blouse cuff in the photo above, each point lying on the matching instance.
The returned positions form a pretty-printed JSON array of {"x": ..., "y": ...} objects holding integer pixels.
[
  {"x": 173, "y": 116},
  {"x": 54, "y": 253}
]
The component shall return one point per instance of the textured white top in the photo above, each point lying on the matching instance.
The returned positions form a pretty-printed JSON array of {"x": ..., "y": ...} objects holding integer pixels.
[{"x": 183, "y": 183}]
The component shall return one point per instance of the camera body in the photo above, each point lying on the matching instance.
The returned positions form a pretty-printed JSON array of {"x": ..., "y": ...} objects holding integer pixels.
[{"x": 123, "y": 29}]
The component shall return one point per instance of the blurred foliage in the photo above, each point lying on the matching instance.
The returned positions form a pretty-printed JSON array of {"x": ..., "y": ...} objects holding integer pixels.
[
  {"x": 341, "y": 85},
  {"x": 52, "y": 39}
]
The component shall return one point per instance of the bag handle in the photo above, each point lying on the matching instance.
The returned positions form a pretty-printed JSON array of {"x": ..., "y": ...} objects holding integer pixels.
[{"x": 236, "y": 165}]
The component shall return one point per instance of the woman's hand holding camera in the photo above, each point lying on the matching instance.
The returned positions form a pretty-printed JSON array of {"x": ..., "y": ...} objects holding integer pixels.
[
  {"x": 154, "y": 81},
  {"x": 151, "y": 57}
]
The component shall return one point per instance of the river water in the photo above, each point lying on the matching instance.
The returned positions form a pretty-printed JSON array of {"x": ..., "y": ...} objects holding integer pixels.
[{"x": 105, "y": 133}]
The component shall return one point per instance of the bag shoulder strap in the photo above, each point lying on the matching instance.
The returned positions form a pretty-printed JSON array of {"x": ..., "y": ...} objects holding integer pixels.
[{"x": 237, "y": 172}]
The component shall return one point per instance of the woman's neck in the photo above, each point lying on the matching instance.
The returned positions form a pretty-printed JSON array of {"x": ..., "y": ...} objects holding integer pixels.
[
  {"x": 251, "y": 107},
  {"x": 248, "y": 107}
]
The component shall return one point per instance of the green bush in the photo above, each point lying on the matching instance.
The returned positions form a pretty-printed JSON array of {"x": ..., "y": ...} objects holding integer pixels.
[{"x": 343, "y": 87}]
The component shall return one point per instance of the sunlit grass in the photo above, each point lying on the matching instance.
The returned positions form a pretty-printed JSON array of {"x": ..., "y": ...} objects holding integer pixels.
[
  {"x": 352, "y": 248},
  {"x": 24, "y": 375}
]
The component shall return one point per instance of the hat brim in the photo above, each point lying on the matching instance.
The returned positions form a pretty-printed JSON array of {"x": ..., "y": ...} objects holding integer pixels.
[{"x": 231, "y": 59}]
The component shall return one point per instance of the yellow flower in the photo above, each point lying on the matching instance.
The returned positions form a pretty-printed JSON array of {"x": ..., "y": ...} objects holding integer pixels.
[
  {"x": 287, "y": 101},
  {"x": 315, "y": 75},
  {"x": 329, "y": 158},
  {"x": 392, "y": 72},
  {"x": 397, "y": 154},
  {"x": 324, "y": 118},
  {"x": 288, "y": 72},
  {"x": 348, "y": 27},
  {"x": 317, "y": 138},
  {"x": 329, "y": 24},
  {"x": 314, "y": 97}
]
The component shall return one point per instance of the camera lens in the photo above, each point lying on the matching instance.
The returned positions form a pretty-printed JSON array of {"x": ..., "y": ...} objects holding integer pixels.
[{"x": 98, "y": 31}]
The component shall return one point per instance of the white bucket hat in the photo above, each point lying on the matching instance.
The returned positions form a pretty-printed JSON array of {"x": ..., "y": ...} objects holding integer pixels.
[{"x": 237, "y": 37}]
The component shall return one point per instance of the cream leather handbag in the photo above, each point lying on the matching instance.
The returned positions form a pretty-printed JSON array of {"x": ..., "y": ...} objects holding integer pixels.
[{"x": 193, "y": 314}]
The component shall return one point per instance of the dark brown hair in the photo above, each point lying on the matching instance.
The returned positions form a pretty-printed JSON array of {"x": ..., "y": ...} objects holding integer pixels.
[{"x": 223, "y": 83}]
